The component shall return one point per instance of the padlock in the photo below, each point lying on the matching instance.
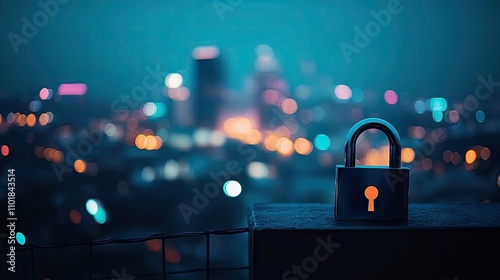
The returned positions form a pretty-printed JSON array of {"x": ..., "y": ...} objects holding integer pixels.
[{"x": 372, "y": 193}]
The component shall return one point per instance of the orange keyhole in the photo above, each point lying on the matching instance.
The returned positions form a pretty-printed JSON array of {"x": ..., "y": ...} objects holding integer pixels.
[{"x": 371, "y": 192}]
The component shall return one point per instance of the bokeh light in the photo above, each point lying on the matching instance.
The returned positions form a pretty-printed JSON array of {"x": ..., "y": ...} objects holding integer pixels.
[
  {"x": 232, "y": 188},
  {"x": 437, "y": 103},
  {"x": 420, "y": 106},
  {"x": 470, "y": 156},
  {"x": 447, "y": 156},
  {"x": 171, "y": 169},
  {"x": 284, "y": 146},
  {"x": 173, "y": 80},
  {"x": 427, "y": 164},
  {"x": 80, "y": 166},
  {"x": 289, "y": 106},
  {"x": 437, "y": 115},
  {"x": 455, "y": 158},
  {"x": 322, "y": 142},
  {"x": 44, "y": 94},
  {"x": 5, "y": 150},
  {"x": 257, "y": 170},
  {"x": 92, "y": 206},
  {"x": 454, "y": 116},
  {"x": 100, "y": 217},
  {"x": 480, "y": 116},
  {"x": 154, "y": 245},
  {"x": 35, "y": 105},
  {"x": 485, "y": 153},
  {"x": 172, "y": 255},
  {"x": 391, "y": 97},
  {"x": 417, "y": 132},
  {"x": 407, "y": 155},
  {"x": 149, "y": 109},
  {"x": 271, "y": 96},
  {"x": 343, "y": 92},
  {"x": 270, "y": 143},
  {"x": 31, "y": 120},
  {"x": 303, "y": 146},
  {"x": 43, "y": 119},
  {"x": 179, "y": 94},
  {"x": 148, "y": 174},
  {"x": 20, "y": 238},
  {"x": 75, "y": 216}
]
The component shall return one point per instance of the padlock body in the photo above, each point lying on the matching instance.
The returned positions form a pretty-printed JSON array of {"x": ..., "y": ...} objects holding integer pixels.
[{"x": 391, "y": 203}]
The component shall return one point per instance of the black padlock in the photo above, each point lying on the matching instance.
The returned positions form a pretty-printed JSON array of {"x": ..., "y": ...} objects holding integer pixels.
[{"x": 372, "y": 193}]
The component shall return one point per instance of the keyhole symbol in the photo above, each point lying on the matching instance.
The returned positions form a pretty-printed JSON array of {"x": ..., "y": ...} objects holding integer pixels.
[{"x": 371, "y": 192}]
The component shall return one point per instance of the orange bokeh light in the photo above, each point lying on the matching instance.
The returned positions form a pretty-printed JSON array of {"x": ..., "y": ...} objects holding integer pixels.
[
  {"x": 470, "y": 156},
  {"x": 270, "y": 143},
  {"x": 303, "y": 146},
  {"x": 80, "y": 166},
  {"x": 5, "y": 150},
  {"x": 407, "y": 155},
  {"x": 31, "y": 120},
  {"x": 284, "y": 146},
  {"x": 289, "y": 106}
]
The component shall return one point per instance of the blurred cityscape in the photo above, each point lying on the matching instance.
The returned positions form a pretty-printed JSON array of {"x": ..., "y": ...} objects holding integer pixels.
[{"x": 191, "y": 147}]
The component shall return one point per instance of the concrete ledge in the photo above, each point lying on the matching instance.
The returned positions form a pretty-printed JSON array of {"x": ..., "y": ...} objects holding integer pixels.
[{"x": 440, "y": 241}]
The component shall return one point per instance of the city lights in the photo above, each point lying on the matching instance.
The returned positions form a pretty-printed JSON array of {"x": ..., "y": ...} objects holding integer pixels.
[
  {"x": 289, "y": 106},
  {"x": 303, "y": 146},
  {"x": 232, "y": 188},
  {"x": 80, "y": 166},
  {"x": 72, "y": 89},
  {"x": 343, "y": 92},
  {"x": 20, "y": 238},
  {"x": 407, "y": 155},
  {"x": 173, "y": 80},
  {"x": 5, "y": 150},
  {"x": 391, "y": 97},
  {"x": 148, "y": 142},
  {"x": 322, "y": 142},
  {"x": 284, "y": 146},
  {"x": 470, "y": 156},
  {"x": 257, "y": 170},
  {"x": 92, "y": 206},
  {"x": 44, "y": 94}
]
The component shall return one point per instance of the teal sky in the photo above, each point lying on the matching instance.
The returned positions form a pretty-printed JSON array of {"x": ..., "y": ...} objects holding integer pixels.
[{"x": 430, "y": 48}]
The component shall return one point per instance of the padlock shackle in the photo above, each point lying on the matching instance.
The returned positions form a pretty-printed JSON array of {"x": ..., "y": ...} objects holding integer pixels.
[{"x": 382, "y": 125}]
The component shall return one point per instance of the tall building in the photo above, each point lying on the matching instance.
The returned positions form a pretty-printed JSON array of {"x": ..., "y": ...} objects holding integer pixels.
[{"x": 209, "y": 85}]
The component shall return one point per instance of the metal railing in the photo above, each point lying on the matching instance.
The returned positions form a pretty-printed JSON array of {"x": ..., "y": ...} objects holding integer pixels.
[{"x": 91, "y": 244}]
